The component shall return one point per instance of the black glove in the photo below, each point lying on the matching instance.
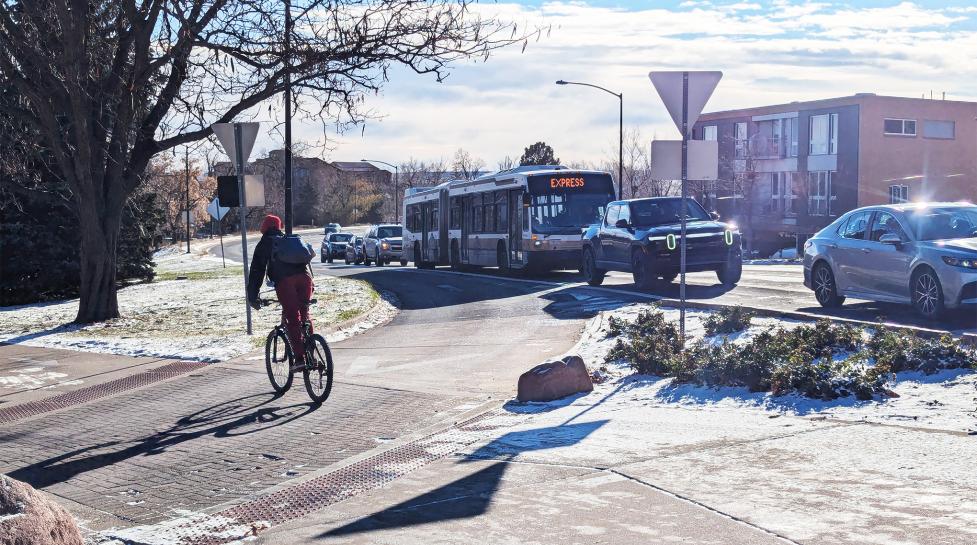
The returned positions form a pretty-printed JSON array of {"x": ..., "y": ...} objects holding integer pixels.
[{"x": 255, "y": 304}]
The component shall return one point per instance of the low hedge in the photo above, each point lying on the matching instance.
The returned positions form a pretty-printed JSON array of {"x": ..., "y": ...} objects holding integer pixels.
[{"x": 821, "y": 360}]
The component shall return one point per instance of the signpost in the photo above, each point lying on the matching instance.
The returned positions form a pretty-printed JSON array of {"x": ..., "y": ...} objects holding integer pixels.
[
  {"x": 218, "y": 212},
  {"x": 685, "y": 93},
  {"x": 237, "y": 140}
]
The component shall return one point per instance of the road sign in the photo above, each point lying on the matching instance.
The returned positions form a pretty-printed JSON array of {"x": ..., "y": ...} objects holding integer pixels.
[
  {"x": 217, "y": 211},
  {"x": 669, "y": 87},
  {"x": 666, "y": 160},
  {"x": 229, "y": 193},
  {"x": 225, "y": 134}
]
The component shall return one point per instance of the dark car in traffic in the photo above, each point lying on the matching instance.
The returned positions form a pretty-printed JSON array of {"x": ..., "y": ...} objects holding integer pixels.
[
  {"x": 334, "y": 245},
  {"x": 920, "y": 254},
  {"x": 354, "y": 251},
  {"x": 642, "y": 236},
  {"x": 331, "y": 228}
]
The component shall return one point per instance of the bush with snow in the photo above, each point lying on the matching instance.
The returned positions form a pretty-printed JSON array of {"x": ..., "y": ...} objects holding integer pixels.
[{"x": 821, "y": 360}]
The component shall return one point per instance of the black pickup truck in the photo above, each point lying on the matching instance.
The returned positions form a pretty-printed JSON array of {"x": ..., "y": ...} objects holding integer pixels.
[{"x": 642, "y": 236}]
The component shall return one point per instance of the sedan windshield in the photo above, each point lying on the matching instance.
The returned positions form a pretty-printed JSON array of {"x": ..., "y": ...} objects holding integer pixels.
[
  {"x": 654, "y": 212},
  {"x": 389, "y": 232},
  {"x": 943, "y": 223},
  {"x": 340, "y": 238}
]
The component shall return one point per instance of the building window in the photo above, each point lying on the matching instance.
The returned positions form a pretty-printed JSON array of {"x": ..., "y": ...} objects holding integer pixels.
[
  {"x": 709, "y": 132},
  {"x": 824, "y": 134},
  {"x": 782, "y": 194},
  {"x": 820, "y": 193},
  {"x": 944, "y": 130},
  {"x": 901, "y": 127},
  {"x": 790, "y": 137},
  {"x": 898, "y": 194},
  {"x": 740, "y": 140}
]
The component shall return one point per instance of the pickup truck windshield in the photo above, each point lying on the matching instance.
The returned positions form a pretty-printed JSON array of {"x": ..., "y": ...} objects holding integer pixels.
[
  {"x": 389, "y": 232},
  {"x": 651, "y": 213}
]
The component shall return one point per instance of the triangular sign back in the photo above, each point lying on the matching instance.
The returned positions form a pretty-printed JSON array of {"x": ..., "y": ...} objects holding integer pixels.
[
  {"x": 225, "y": 134},
  {"x": 669, "y": 87}
]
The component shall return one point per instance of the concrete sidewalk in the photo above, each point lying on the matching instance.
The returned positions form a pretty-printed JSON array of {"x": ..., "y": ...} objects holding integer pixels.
[{"x": 461, "y": 501}]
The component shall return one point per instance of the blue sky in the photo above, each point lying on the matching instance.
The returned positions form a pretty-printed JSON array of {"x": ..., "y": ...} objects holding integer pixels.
[{"x": 770, "y": 52}]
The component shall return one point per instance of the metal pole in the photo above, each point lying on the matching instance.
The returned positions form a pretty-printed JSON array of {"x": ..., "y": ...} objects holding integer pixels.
[
  {"x": 682, "y": 214},
  {"x": 220, "y": 231},
  {"x": 186, "y": 162},
  {"x": 396, "y": 194},
  {"x": 242, "y": 214},
  {"x": 620, "y": 151},
  {"x": 288, "y": 118}
]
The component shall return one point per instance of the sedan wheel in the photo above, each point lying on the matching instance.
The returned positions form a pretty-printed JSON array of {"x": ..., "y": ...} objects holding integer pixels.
[
  {"x": 825, "y": 289},
  {"x": 928, "y": 294}
]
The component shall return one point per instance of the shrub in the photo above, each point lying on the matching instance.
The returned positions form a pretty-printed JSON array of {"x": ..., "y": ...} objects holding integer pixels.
[
  {"x": 728, "y": 320},
  {"x": 821, "y": 360}
]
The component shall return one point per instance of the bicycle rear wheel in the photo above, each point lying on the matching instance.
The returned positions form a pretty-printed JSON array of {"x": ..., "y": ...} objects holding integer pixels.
[
  {"x": 318, "y": 372},
  {"x": 278, "y": 361}
]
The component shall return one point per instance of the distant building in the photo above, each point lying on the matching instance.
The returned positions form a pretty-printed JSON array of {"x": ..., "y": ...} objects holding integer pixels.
[{"x": 790, "y": 169}]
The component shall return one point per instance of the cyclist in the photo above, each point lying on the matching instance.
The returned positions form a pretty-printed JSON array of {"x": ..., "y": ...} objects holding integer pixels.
[{"x": 293, "y": 285}]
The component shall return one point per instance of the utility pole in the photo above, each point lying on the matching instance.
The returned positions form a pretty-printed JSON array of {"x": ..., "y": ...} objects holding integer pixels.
[
  {"x": 186, "y": 162},
  {"x": 288, "y": 117}
]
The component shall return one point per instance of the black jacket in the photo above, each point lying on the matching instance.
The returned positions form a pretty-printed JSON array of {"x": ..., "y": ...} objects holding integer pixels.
[{"x": 262, "y": 264}]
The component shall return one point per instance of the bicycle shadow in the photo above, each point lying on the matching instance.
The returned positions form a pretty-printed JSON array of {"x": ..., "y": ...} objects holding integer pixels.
[{"x": 234, "y": 418}]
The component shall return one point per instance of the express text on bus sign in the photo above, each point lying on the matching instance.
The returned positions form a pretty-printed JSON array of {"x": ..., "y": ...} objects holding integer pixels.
[{"x": 566, "y": 182}]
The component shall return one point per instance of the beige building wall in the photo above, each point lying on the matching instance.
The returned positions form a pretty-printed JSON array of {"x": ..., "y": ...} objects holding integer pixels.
[{"x": 933, "y": 169}]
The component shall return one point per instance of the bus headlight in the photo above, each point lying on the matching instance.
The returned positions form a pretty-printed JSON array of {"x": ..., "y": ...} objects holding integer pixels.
[{"x": 538, "y": 243}]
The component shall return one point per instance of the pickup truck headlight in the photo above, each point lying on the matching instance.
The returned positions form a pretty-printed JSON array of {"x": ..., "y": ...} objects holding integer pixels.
[
  {"x": 385, "y": 245},
  {"x": 967, "y": 263}
]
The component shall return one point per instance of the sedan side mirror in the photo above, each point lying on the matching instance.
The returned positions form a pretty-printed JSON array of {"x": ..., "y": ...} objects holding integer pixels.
[
  {"x": 891, "y": 239},
  {"x": 622, "y": 224}
]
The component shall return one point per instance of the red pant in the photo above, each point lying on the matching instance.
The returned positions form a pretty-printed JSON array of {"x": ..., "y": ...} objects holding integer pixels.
[{"x": 294, "y": 293}]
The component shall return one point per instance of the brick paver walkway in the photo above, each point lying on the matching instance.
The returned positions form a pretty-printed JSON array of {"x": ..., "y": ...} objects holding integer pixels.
[{"x": 201, "y": 440}]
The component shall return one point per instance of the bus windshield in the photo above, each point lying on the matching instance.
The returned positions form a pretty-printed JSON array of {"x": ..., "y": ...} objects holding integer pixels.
[{"x": 566, "y": 203}]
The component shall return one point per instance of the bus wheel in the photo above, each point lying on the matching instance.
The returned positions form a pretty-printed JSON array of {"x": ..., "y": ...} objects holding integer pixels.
[
  {"x": 502, "y": 258},
  {"x": 417, "y": 257}
]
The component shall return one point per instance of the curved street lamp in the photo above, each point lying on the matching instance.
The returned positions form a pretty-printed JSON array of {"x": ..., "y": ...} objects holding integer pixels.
[
  {"x": 396, "y": 186},
  {"x": 620, "y": 142}
]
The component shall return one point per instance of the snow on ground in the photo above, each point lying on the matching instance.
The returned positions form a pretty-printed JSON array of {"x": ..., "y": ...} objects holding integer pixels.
[
  {"x": 185, "y": 527},
  {"x": 946, "y": 400},
  {"x": 194, "y": 311}
]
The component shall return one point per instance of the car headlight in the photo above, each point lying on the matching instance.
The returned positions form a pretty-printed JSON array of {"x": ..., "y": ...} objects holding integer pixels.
[
  {"x": 538, "y": 243},
  {"x": 967, "y": 263}
]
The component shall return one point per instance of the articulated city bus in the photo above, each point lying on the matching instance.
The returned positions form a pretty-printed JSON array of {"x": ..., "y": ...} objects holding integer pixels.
[{"x": 526, "y": 217}]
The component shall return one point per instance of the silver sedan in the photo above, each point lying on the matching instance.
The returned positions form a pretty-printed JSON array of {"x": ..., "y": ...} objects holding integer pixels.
[{"x": 921, "y": 254}]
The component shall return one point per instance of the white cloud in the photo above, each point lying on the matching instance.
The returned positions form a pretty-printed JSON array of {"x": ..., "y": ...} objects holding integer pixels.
[{"x": 784, "y": 52}]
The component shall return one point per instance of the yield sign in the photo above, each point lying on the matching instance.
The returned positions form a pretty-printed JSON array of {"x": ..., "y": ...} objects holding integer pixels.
[
  {"x": 225, "y": 134},
  {"x": 669, "y": 87},
  {"x": 217, "y": 211}
]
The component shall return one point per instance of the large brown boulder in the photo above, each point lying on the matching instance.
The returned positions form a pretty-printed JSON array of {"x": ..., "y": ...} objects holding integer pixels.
[
  {"x": 27, "y": 517},
  {"x": 555, "y": 379}
]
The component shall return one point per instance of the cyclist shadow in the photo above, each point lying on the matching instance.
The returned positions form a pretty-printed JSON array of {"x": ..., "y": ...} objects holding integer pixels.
[{"x": 234, "y": 418}]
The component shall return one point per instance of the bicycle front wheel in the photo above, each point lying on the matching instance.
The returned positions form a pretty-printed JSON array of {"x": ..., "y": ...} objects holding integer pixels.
[
  {"x": 278, "y": 361},
  {"x": 318, "y": 371}
]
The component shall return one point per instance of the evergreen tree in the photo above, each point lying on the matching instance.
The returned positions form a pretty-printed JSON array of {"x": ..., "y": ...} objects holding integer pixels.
[{"x": 538, "y": 154}]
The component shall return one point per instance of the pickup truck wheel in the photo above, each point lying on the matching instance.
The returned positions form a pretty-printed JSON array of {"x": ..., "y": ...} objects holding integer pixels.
[
  {"x": 643, "y": 277},
  {"x": 403, "y": 262},
  {"x": 669, "y": 278},
  {"x": 591, "y": 273},
  {"x": 731, "y": 271},
  {"x": 379, "y": 258}
]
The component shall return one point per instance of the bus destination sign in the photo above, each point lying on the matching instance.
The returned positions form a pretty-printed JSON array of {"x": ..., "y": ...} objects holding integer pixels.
[
  {"x": 571, "y": 182},
  {"x": 567, "y": 183}
]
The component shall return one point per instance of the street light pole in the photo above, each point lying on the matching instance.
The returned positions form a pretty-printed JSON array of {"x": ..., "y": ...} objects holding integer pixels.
[
  {"x": 396, "y": 186},
  {"x": 620, "y": 142},
  {"x": 288, "y": 118}
]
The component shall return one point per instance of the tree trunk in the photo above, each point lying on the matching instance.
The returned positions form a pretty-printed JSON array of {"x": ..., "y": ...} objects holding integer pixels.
[{"x": 99, "y": 235}]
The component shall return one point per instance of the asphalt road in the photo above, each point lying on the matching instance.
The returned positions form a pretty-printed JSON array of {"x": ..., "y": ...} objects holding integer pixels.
[{"x": 777, "y": 288}]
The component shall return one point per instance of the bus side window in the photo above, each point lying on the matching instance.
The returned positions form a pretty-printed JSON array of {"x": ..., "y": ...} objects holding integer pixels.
[
  {"x": 501, "y": 212},
  {"x": 477, "y": 214}
]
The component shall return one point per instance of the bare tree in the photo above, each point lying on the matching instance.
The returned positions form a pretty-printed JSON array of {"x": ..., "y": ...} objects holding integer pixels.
[
  {"x": 467, "y": 165},
  {"x": 507, "y": 163},
  {"x": 111, "y": 83}
]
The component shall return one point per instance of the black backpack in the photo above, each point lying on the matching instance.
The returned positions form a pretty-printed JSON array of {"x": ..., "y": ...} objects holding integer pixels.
[{"x": 290, "y": 249}]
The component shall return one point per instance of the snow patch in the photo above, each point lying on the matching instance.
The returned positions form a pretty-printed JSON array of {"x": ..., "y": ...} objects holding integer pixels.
[{"x": 188, "y": 527}]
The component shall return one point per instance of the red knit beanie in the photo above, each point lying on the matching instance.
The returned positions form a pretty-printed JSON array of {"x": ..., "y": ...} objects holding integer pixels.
[{"x": 271, "y": 221}]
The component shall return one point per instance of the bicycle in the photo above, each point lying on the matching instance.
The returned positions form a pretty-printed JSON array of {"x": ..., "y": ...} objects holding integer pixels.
[{"x": 318, "y": 370}]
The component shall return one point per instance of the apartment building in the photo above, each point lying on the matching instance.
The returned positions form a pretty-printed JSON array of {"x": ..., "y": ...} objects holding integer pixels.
[{"x": 786, "y": 171}]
